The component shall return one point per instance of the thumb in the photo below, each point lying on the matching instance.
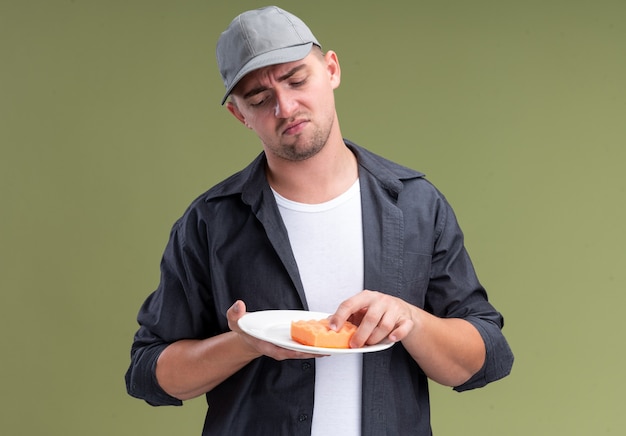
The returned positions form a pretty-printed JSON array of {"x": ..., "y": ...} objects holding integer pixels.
[{"x": 234, "y": 313}]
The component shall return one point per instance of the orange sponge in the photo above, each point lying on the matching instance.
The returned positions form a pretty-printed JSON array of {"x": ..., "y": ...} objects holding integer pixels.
[{"x": 317, "y": 333}]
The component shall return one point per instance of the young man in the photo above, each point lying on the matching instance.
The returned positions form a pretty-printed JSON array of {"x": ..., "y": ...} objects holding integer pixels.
[{"x": 316, "y": 223}]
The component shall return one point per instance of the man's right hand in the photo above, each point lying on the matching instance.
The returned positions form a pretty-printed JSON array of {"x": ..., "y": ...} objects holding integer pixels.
[{"x": 258, "y": 347}]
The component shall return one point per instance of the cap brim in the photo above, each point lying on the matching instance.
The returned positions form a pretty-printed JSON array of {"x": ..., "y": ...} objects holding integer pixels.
[{"x": 274, "y": 57}]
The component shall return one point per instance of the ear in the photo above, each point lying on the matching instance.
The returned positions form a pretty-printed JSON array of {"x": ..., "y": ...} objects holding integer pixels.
[
  {"x": 233, "y": 109},
  {"x": 333, "y": 68}
]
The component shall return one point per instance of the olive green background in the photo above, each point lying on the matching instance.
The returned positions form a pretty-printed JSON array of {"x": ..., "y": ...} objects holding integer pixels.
[{"x": 110, "y": 124}]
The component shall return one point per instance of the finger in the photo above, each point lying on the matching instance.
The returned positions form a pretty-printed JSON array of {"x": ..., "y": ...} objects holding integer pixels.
[
  {"x": 280, "y": 353},
  {"x": 349, "y": 309},
  {"x": 385, "y": 327},
  {"x": 366, "y": 332},
  {"x": 234, "y": 314},
  {"x": 401, "y": 331}
]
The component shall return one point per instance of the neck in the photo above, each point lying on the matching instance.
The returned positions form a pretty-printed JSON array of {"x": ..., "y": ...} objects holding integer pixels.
[{"x": 320, "y": 178}]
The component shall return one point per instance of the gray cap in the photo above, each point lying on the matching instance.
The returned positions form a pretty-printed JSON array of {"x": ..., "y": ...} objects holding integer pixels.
[{"x": 259, "y": 38}]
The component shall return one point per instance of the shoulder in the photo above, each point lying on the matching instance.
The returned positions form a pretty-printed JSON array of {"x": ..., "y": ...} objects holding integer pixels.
[
  {"x": 398, "y": 180},
  {"x": 220, "y": 202},
  {"x": 381, "y": 167},
  {"x": 250, "y": 178}
]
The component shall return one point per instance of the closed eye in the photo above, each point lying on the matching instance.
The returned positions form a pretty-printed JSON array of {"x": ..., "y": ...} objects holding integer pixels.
[
  {"x": 259, "y": 99},
  {"x": 258, "y": 103}
]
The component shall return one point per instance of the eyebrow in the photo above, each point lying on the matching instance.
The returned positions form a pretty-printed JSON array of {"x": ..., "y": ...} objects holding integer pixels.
[{"x": 287, "y": 75}]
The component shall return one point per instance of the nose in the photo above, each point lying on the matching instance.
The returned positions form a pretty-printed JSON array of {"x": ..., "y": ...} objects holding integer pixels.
[{"x": 285, "y": 104}]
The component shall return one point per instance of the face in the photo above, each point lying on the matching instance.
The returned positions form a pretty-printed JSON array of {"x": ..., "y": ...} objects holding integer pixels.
[{"x": 290, "y": 106}]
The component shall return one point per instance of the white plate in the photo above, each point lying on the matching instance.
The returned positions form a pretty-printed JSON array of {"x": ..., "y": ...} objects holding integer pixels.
[{"x": 275, "y": 326}]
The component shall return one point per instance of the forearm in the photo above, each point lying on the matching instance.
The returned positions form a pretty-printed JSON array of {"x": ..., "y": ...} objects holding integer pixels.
[
  {"x": 189, "y": 368},
  {"x": 449, "y": 350}
]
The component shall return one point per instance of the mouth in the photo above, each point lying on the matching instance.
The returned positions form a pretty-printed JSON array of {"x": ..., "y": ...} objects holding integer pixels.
[{"x": 295, "y": 127}]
